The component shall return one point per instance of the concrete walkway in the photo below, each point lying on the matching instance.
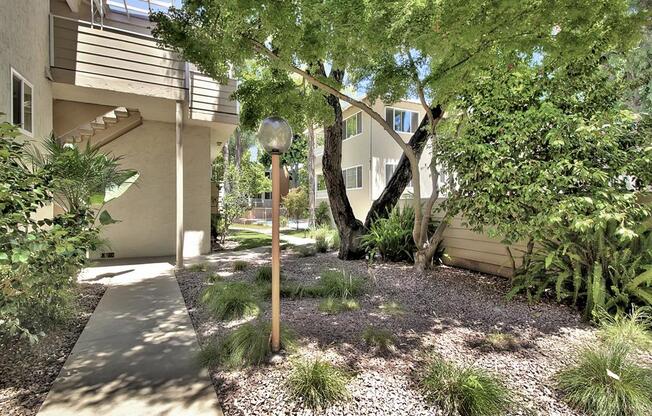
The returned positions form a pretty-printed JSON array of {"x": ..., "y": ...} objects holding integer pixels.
[{"x": 136, "y": 355}]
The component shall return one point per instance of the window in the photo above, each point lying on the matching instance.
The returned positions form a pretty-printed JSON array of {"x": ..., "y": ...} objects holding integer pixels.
[
  {"x": 403, "y": 121},
  {"x": 21, "y": 103},
  {"x": 321, "y": 183},
  {"x": 390, "y": 168},
  {"x": 353, "y": 177},
  {"x": 353, "y": 125}
]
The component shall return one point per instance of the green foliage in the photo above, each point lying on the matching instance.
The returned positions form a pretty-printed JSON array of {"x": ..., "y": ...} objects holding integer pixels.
[
  {"x": 325, "y": 237},
  {"x": 306, "y": 251},
  {"x": 83, "y": 180},
  {"x": 323, "y": 214},
  {"x": 214, "y": 277},
  {"x": 381, "y": 340},
  {"x": 198, "y": 267},
  {"x": 240, "y": 265},
  {"x": 600, "y": 270},
  {"x": 333, "y": 306},
  {"x": 296, "y": 204},
  {"x": 231, "y": 300},
  {"x": 264, "y": 274},
  {"x": 391, "y": 237},
  {"x": 606, "y": 382},
  {"x": 317, "y": 383},
  {"x": 633, "y": 329},
  {"x": 341, "y": 285},
  {"x": 464, "y": 391},
  {"x": 250, "y": 239}
]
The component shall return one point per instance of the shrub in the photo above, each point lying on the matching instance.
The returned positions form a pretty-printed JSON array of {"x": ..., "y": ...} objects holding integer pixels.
[
  {"x": 464, "y": 391},
  {"x": 198, "y": 267},
  {"x": 339, "y": 284},
  {"x": 321, "y": 244},
  {"x": 381, "y": 340},
  {"x": 322, "y": 214},
  {"x": 334, "y": 306},
  {"x": 317, "y": 383},
  {"x": 264, "y": 274},
  {"x": 392, "y": 308},
  {"x": 599, "y": 270},
  {"x": 240, "y": 265},
  {"x": 231, "y": 300},
  {"x": 214, "y": 277},
  {"x": 605, "y": 382},
  {"x": 632, "y": 329},
  {"x": 391, "y": 237},
  {"x": 245, "y": 346},
  {"x": 296, "y": 204},
  {"x": 325, "y": 237}
]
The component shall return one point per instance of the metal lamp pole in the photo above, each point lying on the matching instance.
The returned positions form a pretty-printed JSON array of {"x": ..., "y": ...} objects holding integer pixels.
[{"x": 275, "y": 136}]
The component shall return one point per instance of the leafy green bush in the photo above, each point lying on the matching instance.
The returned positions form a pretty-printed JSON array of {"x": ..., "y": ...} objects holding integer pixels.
[
  {"x": 634, "y": 329},
  {"x": 339, "y": 284},
  {"x": 606, "y": 382},
  {"x": 391, "y": 237},
  {"x": 464, "y": 391},
  {"x": 326, "y": 238},
  {"x": 317, "y": 383},
  {"x": 296, "y": 204},
  {"x": 240, "y": 265},
  {"x": 247, "y": 345},
  {"x": 381, "y": 340},
  {"x": 231, "y": 300},
  {"x": 334, "y": 306},
  {"x": 322, "y": 214},
  {"x": 600, "y": 270}
]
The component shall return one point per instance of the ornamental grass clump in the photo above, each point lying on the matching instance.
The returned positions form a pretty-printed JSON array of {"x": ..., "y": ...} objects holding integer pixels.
[
  {"x": 339, "y": 284},
  {"x": 240, "y": 265},
  {"x": 264, "y": 274},
  {"x": 633, "y": 329},
  {"x": 317, "y": 383},
  {"x": 231, "y": 300},
  {"x": 333, "y": 306},
  {"x": 380, "y": 340},
  {"x": 605, "y": 381},
  {"x": 464, "y": 391}
]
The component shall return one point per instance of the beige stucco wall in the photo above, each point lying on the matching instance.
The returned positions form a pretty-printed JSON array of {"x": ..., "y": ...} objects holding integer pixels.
[{"x": 147, "y": 210}]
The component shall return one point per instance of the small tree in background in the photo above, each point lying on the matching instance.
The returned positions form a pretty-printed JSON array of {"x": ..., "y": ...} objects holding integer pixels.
[{"x": 296, "y": 203}]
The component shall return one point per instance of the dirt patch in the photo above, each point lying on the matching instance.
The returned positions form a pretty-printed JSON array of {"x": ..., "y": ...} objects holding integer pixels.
[
  {"x": 28, "y": 371},
  {"x": 443, "y": 312}
]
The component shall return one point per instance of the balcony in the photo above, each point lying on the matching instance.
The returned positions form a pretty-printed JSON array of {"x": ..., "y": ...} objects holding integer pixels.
[{"x": 118, "y": 60}]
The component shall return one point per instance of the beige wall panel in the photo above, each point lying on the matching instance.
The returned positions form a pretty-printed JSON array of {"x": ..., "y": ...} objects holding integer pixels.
[
  {"x": 68, "y": 115},
  {"x": 147, "y": 210}
]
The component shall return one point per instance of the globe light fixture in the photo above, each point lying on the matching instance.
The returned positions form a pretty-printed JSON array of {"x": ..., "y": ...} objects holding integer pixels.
[{"x": 275, "y": 136}]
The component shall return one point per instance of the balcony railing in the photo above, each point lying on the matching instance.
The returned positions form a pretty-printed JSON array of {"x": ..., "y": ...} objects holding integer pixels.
[{"x": 130, "y": 62}]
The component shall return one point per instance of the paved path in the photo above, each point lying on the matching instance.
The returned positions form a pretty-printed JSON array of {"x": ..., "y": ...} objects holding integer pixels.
[{"x": 136, "y": 354}]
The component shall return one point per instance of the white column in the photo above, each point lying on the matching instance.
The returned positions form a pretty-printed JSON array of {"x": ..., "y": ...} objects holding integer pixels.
[{"x": 179, "y": 175}]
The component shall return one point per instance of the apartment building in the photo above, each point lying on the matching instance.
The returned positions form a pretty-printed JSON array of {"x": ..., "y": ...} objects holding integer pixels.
[
  {"x": 89, "y": 71},
  {"x": 369, "y": 157}
]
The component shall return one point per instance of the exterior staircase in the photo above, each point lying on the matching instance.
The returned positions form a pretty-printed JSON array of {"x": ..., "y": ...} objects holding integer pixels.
[{"x": 105, "y": 128}]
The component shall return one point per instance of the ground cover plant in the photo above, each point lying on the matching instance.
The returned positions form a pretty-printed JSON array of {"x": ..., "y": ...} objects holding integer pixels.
[
  {"x": 465, "y": 391},
  {"x": 317, "y": 383},
  {"x": 334, "y": 306},
  {"x": 231, "y": 300},
  {"x": 633, "y": 329},
  {"x": 380, "y": 340}
]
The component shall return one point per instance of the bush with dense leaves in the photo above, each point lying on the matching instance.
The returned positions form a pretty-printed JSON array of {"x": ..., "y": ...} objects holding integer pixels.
[
  {"x": 597, "y": 271},
  {"x": 322, "y": 214}
]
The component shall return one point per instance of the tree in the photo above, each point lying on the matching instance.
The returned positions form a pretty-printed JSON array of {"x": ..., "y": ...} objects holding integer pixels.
[
  {"x": 296, "y": 203},
  {"x": 428, "y": 49}
]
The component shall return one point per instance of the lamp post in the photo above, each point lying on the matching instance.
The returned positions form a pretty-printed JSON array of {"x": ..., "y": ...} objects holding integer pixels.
[{"x": 275, "y": 136}]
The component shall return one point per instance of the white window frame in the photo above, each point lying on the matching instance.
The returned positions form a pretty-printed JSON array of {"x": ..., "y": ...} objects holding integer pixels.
[
  {"x": 361, "y": 177},
  {"x": 407, "y": 187},
  {"x": 24, "y": 81},
  {"x": 394, "y": 115},
  {"x": 344, "y": 126}
]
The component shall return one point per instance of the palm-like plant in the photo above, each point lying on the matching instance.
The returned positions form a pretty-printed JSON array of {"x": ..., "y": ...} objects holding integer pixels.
[{"x": 83, "y": 179}]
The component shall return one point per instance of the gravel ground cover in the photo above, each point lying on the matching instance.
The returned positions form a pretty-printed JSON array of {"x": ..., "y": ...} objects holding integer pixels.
[
  {"x": 28, "y": 371},
  {"x": 444, "y": 312}
]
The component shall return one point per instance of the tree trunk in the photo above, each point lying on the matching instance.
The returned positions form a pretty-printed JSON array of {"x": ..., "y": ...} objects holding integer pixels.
[
  {"x": 311, "y": 176},
  {"x": 402, "y": 175},
  {"x": 350, "y": 229},
  {"x": 225, "y": 155}
]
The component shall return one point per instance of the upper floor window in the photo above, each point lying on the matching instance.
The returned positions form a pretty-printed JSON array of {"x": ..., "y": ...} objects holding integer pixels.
[
  {"x": 353, "y": 125},
  {"x": 21, "y": 103},
  {"x": 353, "y": 177},
  {"x": 402, "y": 121}
]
